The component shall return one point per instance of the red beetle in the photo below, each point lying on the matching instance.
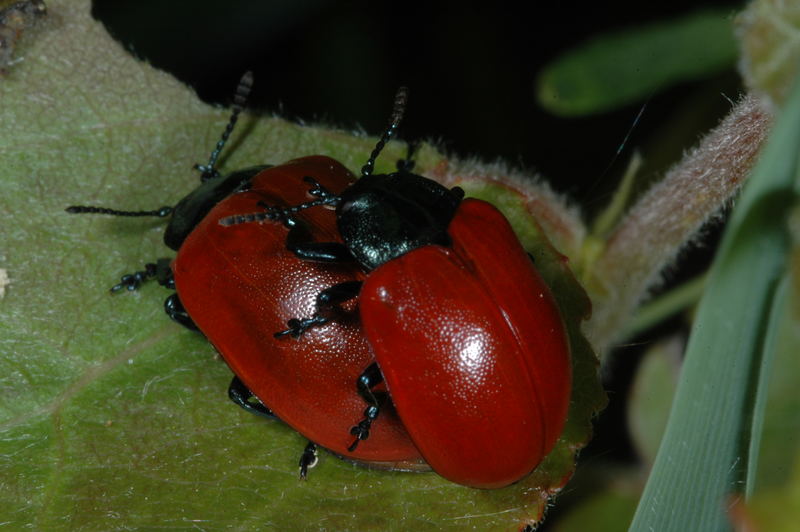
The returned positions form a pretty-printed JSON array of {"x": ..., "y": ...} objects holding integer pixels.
[
  {"x": 473, "y": 350},
  {"x": 465, "y": 332},
  {"x": 239, "y": 285}
]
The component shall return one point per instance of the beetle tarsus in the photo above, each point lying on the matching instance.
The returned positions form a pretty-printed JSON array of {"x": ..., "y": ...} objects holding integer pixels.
[
  {"x": 308, "y": 459},
  {"x": 326, "y": 300},
  {"x": 407, "y": 164},
  {"x": 361, "y": 431},
  {"x": 317, "y": 190},
  {"x": 159, "y": 270},
  {"x": 132, "y": 281},
  {"x": 297, "y": 327}
]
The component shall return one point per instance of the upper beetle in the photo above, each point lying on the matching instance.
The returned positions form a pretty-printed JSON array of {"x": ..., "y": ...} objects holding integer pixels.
[
  {"x": 465, "y": 332},
  {"x": 238, "y": 285}
]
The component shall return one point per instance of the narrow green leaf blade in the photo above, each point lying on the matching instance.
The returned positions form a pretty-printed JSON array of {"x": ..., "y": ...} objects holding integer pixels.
[{"x": 703, "y": 462}]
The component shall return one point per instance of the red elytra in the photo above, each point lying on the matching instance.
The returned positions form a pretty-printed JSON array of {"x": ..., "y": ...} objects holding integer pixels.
[
  {"x": 240, "y": 285},
  {"x": 473, "y": 350}
]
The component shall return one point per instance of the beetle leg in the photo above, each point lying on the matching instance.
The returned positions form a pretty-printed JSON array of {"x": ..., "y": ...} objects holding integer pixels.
[
  {"x": 321, "y": 251},
  {"x": 327, "y": 299},
  {"x": 308, "y": 459},
  {"x": 338, "y": 293},
  {"x": 132, "y": 281},
  {"x": 297, "y": 242},
  {"x": 242, "y": 396},
  {"x": 174, "y": 309},
  {"x": 407, "y": 164},
  {"x": 298, "y": 326},
  {"x": 370, "y": 378},
  {"x": 159, "y": 270},
  {"x": 324, "y": 197},
  {"x": 319, "y": 191},
  {"x": 164, "y": 273}
]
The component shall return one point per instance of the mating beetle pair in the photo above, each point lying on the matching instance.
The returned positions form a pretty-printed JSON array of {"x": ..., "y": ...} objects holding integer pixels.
[{"x": 407, "y": 299}]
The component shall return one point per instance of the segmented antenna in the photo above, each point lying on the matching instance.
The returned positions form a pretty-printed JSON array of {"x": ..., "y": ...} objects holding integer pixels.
[
  {"x": 398, "y": 110},
  {"x": 209, "y": 171},
  {"x": 325, "y": 197},
  {"x": 275, "y": 214},
  {"x": 161, "y": 212},
  {"x": 250, "y": 217}
]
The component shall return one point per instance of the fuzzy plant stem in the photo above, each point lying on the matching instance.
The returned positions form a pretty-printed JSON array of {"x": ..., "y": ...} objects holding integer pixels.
[{"x": 669, "y": 216}]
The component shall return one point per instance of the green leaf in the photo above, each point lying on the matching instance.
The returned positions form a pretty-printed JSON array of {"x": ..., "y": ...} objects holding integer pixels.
[
  {"x": 651, "y": 396},
  {"x": 703, "y": 461},
  {"x": 625, "y": 67},
  {"x": 608, "y": 511},
  {"x": 113, "y": 417}
]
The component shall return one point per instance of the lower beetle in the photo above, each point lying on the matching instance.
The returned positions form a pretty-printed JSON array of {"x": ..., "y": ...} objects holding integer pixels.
[{"x": 237, "y": 285}]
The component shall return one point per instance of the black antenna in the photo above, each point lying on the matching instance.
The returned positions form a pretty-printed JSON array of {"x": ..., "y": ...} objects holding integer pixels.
[
  {"x": 87, "y": 209},
  {"x": 398, "y": 110},
  {"x": 238, "y": 219},
  {"x": 209, "y": 171}
]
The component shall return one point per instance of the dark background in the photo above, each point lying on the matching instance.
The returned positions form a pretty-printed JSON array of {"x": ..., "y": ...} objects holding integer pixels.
[{"x": 471, "y": 71}]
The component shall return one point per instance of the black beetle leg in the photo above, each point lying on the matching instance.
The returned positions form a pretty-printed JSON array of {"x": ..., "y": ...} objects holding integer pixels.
[
  {"x": 174, "y": 309},
  {"x": 319, "y": 191},
  {"x": 159, "y": 270},
  {"x": 458, "y": 192},
  {"x": 326, "y": 300},
  {"x": 298, "y": 326},
  {"x": 242, "y": 396},
  {"x": 407, "y": 165},
  {"x": 298, "y": 242},
  {"x": 332, "y": 252},
  {"x": 370, "y": 378},
  {"x": 308, "y": 459}
]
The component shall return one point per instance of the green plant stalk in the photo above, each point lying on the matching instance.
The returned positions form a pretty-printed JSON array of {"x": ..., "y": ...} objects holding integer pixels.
[
  {"x": 666, "y": 306},
  {"x": 611, "y": 215},
  {"x": 703, "y": 461}
]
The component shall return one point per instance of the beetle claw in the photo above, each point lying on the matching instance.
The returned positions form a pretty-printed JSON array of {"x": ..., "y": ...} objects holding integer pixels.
[
  {"x": 361, "y": 431},
  {"x": 132, "y": 281},
  {"x": 297, "y": 327},
  {"x": 207, "y": 171},
  {"x": 308, "y": 459},
  {"x": 317, "y": 190}
]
